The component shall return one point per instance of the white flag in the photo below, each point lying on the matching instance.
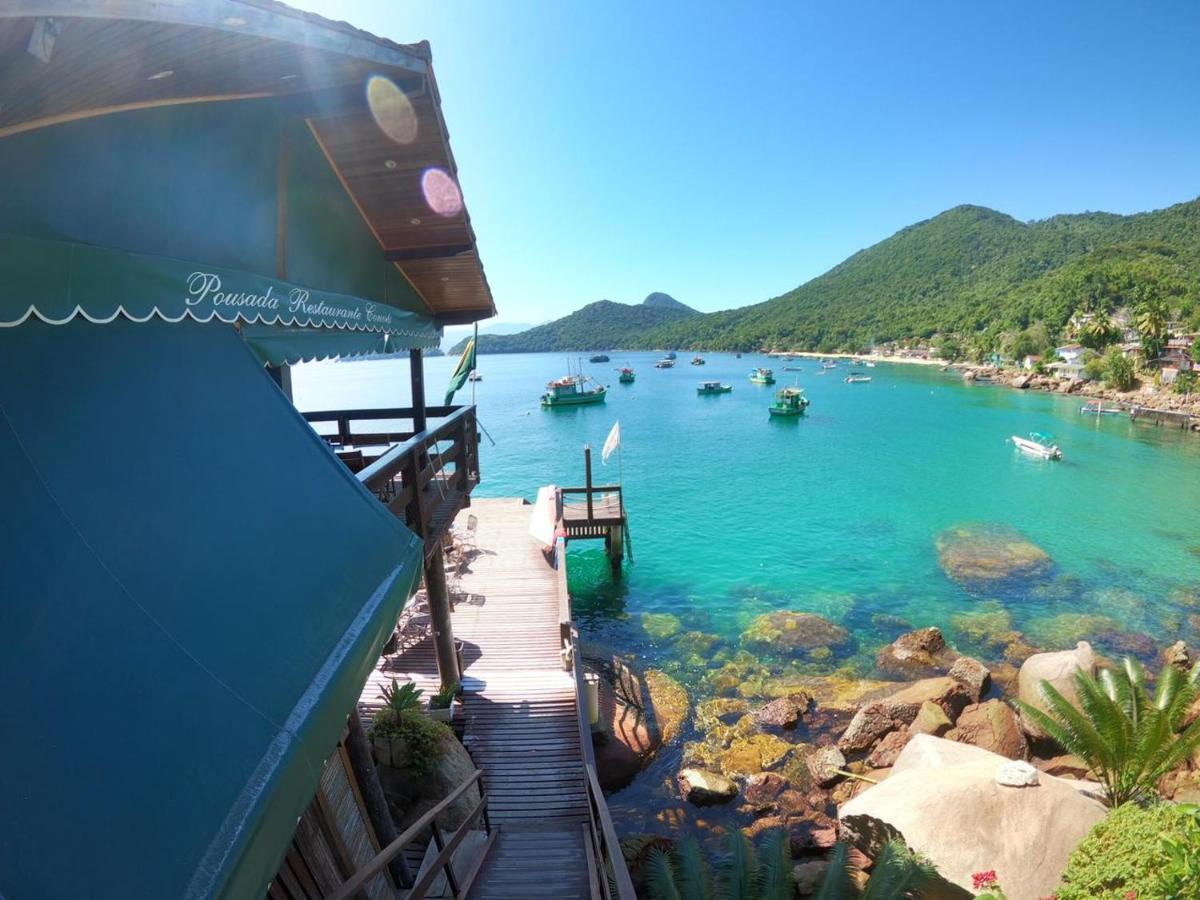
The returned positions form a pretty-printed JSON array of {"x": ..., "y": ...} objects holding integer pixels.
[{"x": 611, "y": 443}]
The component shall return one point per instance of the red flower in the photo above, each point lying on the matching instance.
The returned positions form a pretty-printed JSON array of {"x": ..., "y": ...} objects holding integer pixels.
[
  {"x": 984, "y": 879},
  {"x": 1131, "y": 895}
]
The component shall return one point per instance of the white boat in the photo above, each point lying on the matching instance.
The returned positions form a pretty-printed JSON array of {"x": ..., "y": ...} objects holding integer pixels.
[
  {"x": 829, "y": 364},
  {"x": 1097, "y": 408},
  {"x": 857, "y": 379},
  {"x": 1039, "y": 445},
  {"x": 869, "y": 365},
  {"x": 665, "y": 363}
]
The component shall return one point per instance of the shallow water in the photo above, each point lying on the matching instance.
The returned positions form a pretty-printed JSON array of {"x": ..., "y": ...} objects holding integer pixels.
[{"x": 734, "y": 513}]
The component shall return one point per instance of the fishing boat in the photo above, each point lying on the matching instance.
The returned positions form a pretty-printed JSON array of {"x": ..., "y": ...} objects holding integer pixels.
[
  {"x": 670, "y": 354},
  {"x": 571, "y": 390},
  {"x": 474, "y": 376},
  {"x": 1097, "y": 408},
  {"x": 599, "y": 357},
  {"x": 856, "y": 378},
  {"x": 697, "y": 360},
  {"x": 829, "y": 364},
  {"x": 762, "y": 376},
  {"x": 737, "y": 355},
  {"x": 1038, "y": 444},
  {"x": 869, "y": 365},
  {"x": 626, "y": 375},
  {"x": 789, "y": 402},
  {"x": 792, "y": 369},
  {"x": 713, "y": 387},
  {"x": 665, "y": 363}
]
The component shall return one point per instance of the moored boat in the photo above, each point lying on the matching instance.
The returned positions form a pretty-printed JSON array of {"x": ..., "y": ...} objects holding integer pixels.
[
  {"x": 626, "y": 375},
  {"x": 670, "y": 354},
  {"x": 713, "y": 387},
  {"x": 570, "y": 390},
  {"x": 856, "y": 378},
  {"x": 665, "y": 363},
  {"x": 599, "y": 357},
  {"x": 697, "y": 360},
  {"x": 789, "y": 402},
  {"x": 1097, "y": 408},
  {"x": 792, "y": 369},
  {"x": 829, "y": 364},
  {"x": 762, "y": 376},
  {"x": 474, "y": 376},
  {"x": 1038, "y": 444}
]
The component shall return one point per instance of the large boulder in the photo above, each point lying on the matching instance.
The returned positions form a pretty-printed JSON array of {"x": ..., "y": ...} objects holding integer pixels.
[
  {"x": 640, "y": 713},
  {"x": 944, "y": 800},
  {"x": 411, "y": 794},
  {"x": 992, "y": 726},
  {"x": 879, "y": 717},
  {"x": 976, "y": 555},
  {"x": 669, "y": 704},
  {"x": 1059, "y": 670},
  {"x": 786, "y": 631}
]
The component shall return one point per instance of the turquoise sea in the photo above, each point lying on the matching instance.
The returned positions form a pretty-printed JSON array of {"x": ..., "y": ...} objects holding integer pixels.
[{"x": 734, "y": 514}]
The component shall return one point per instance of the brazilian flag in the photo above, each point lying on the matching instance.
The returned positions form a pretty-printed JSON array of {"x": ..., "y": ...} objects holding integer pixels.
[{"x": 465, "y": 364}]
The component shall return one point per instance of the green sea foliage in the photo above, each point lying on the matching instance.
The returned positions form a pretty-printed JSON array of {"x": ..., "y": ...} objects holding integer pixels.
[
  {"x": 1151, "y": 851},
  {"x": 1128, "y": 739}
]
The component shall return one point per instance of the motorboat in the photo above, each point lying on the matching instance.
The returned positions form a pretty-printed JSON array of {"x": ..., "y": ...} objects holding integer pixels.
[{"x": 1039, "y": 445}]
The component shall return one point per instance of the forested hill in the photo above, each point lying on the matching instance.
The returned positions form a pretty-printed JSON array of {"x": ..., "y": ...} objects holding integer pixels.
[
  {"x": 603, "y": 325},
  {"x": 968, "y": 270}
]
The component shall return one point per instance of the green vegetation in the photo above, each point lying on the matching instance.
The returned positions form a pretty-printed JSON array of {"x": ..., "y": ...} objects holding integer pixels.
[
  {"x": 1186, "y": 383},
  {"x": 443, "y": 698},
  {"x": 1128, "y": 740},
  {"x": 402, "y": 698},
  {"x": 403, "y": 721},
  {"x": 1118, "y": 370},
  {"x": 1137, "y": 852},
  {"x": 897, "y": 874},
  {"x": 741, "y": 874},
  {"x": 598, "y": 326}
]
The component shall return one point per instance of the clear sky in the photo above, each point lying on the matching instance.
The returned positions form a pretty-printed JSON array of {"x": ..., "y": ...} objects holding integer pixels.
[{"x": 726, "y": 152}]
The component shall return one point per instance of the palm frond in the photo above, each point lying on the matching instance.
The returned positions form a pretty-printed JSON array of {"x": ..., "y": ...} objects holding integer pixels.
[
  {"x": 737, "y": 878},
  {"x": 660, "y": 877},
  {"x": 691, "y": 871},
  {"x": 836, "y": 883},
  {"x": 775, "y": 867},
  {"x": 898, "y": 873}
]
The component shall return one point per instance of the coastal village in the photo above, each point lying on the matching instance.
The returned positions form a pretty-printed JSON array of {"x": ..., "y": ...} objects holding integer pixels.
[{"x": 256, "y": 649}]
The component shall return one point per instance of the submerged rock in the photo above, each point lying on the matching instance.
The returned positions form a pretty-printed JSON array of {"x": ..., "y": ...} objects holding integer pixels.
[
  {"x": 1179, "y": 656},
  {"x": 660, "y": 625},
  {"x": 824, "y": 763},
  {"x": 704, "y": 788},
  {"x": 1065, "y": 629},
  {"x": 787, "y": 631},
  {"x": 974, "y": 554},
  {"x": 784, "y": 712},
  {"x": 916, "y": 654},
  {"x": 640, "y": 714}
]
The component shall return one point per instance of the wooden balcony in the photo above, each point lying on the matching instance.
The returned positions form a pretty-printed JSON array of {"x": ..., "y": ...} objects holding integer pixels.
[{"x": 424, "y": 476}]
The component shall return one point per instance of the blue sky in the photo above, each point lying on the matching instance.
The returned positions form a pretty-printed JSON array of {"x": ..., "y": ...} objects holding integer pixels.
[{"x": 725, "y": 153}]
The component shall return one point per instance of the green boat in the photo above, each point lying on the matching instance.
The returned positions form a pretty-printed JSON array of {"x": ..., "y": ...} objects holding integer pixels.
[
  {"x": 713, "y": 387},
  {"x": 789, "y": 402},
  {"x": 570, "y": 391},
  {"x": 626, "y": 375},
  {"x": 762, "y": 376}
]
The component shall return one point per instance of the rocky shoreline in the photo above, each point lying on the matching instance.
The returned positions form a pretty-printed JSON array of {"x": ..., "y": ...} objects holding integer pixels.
[{"x": 1144, "y": 396}]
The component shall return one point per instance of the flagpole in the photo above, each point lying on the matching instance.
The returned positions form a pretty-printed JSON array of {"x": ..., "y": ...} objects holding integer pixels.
[{"x": 475, "y": 368}]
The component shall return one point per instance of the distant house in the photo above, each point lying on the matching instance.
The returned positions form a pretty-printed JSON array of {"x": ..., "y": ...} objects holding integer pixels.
[
  {"x": 1131, "y": 348},
  {"x": 1030, "y": 361},
  {"x": 1178, "y": 352},
  {"x": 1070, "y": 370},
  {"x": 1070, "y": 353}
]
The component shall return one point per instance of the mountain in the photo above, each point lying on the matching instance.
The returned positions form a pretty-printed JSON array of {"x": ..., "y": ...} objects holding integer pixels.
[
  {"x": 603, "y": 325},
  {"x": 965, "y": 271},
  {"x": 453, "y": 334}
]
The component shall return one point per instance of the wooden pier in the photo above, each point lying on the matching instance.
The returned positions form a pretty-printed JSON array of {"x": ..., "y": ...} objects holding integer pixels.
[
  {"x": 524, "y": 726},
  {"x": 595, "y": 512},
  {"x": 1164, "y": 417}
]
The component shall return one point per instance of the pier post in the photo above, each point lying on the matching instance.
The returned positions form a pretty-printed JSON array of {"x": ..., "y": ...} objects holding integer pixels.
[
  {"x": 614, "y": 543},
  {"x": 587, "y": 470},
  {"x": 439, "y": 615}
]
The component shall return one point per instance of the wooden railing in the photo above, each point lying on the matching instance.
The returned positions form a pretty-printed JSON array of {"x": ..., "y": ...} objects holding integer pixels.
[
  {"x": 442, "y": 863},
  {"x": 607, "y": 873},
  {"x": 424, "y": 477}
]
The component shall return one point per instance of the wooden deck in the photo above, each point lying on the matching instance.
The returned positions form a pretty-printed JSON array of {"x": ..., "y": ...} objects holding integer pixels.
[{"x": 520, "y": 705}]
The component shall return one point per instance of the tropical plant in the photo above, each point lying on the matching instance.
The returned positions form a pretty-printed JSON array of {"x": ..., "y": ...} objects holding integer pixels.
[
  {"x": 401, "y": 698},
  {"x": 1099, "y": 331},
  {"x": 742, "y": 873},
  {"x": 443, "y": 698},
  {"x": 420, "y": 736},
  {"x": 1118, "y": 370},
  {"x": 1150, "y": 318},
  {"x": 1186, "y": 383},
  {"x": 898, "y": 873},
  {"x": 1128, "y": 740},
  {"x": 1138, "y": 851}
]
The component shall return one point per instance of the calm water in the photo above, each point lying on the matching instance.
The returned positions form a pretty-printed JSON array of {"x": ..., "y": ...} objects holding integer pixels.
[{"x": 734, "y": 514}]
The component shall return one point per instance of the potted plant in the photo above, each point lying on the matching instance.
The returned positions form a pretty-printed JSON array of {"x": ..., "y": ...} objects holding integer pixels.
[
  {"x": 387, "y": 726},
  {"x": 443, "y": 704}
]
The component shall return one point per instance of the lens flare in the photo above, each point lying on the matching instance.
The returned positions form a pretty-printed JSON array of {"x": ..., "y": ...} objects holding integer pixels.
[
  {"x": 441, "y": 193},
  {"x": 391, "y": 109}
]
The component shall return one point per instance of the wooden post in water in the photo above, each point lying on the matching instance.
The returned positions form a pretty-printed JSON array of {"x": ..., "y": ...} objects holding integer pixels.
[
  {"x": 587, "y": 472},
  {"x": 614, "y": 543}
]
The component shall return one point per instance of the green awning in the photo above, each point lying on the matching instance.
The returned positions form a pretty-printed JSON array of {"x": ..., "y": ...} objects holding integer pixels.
[
  {"x": 58, "y": 282},
  {"x": 193, "y": 591}
]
